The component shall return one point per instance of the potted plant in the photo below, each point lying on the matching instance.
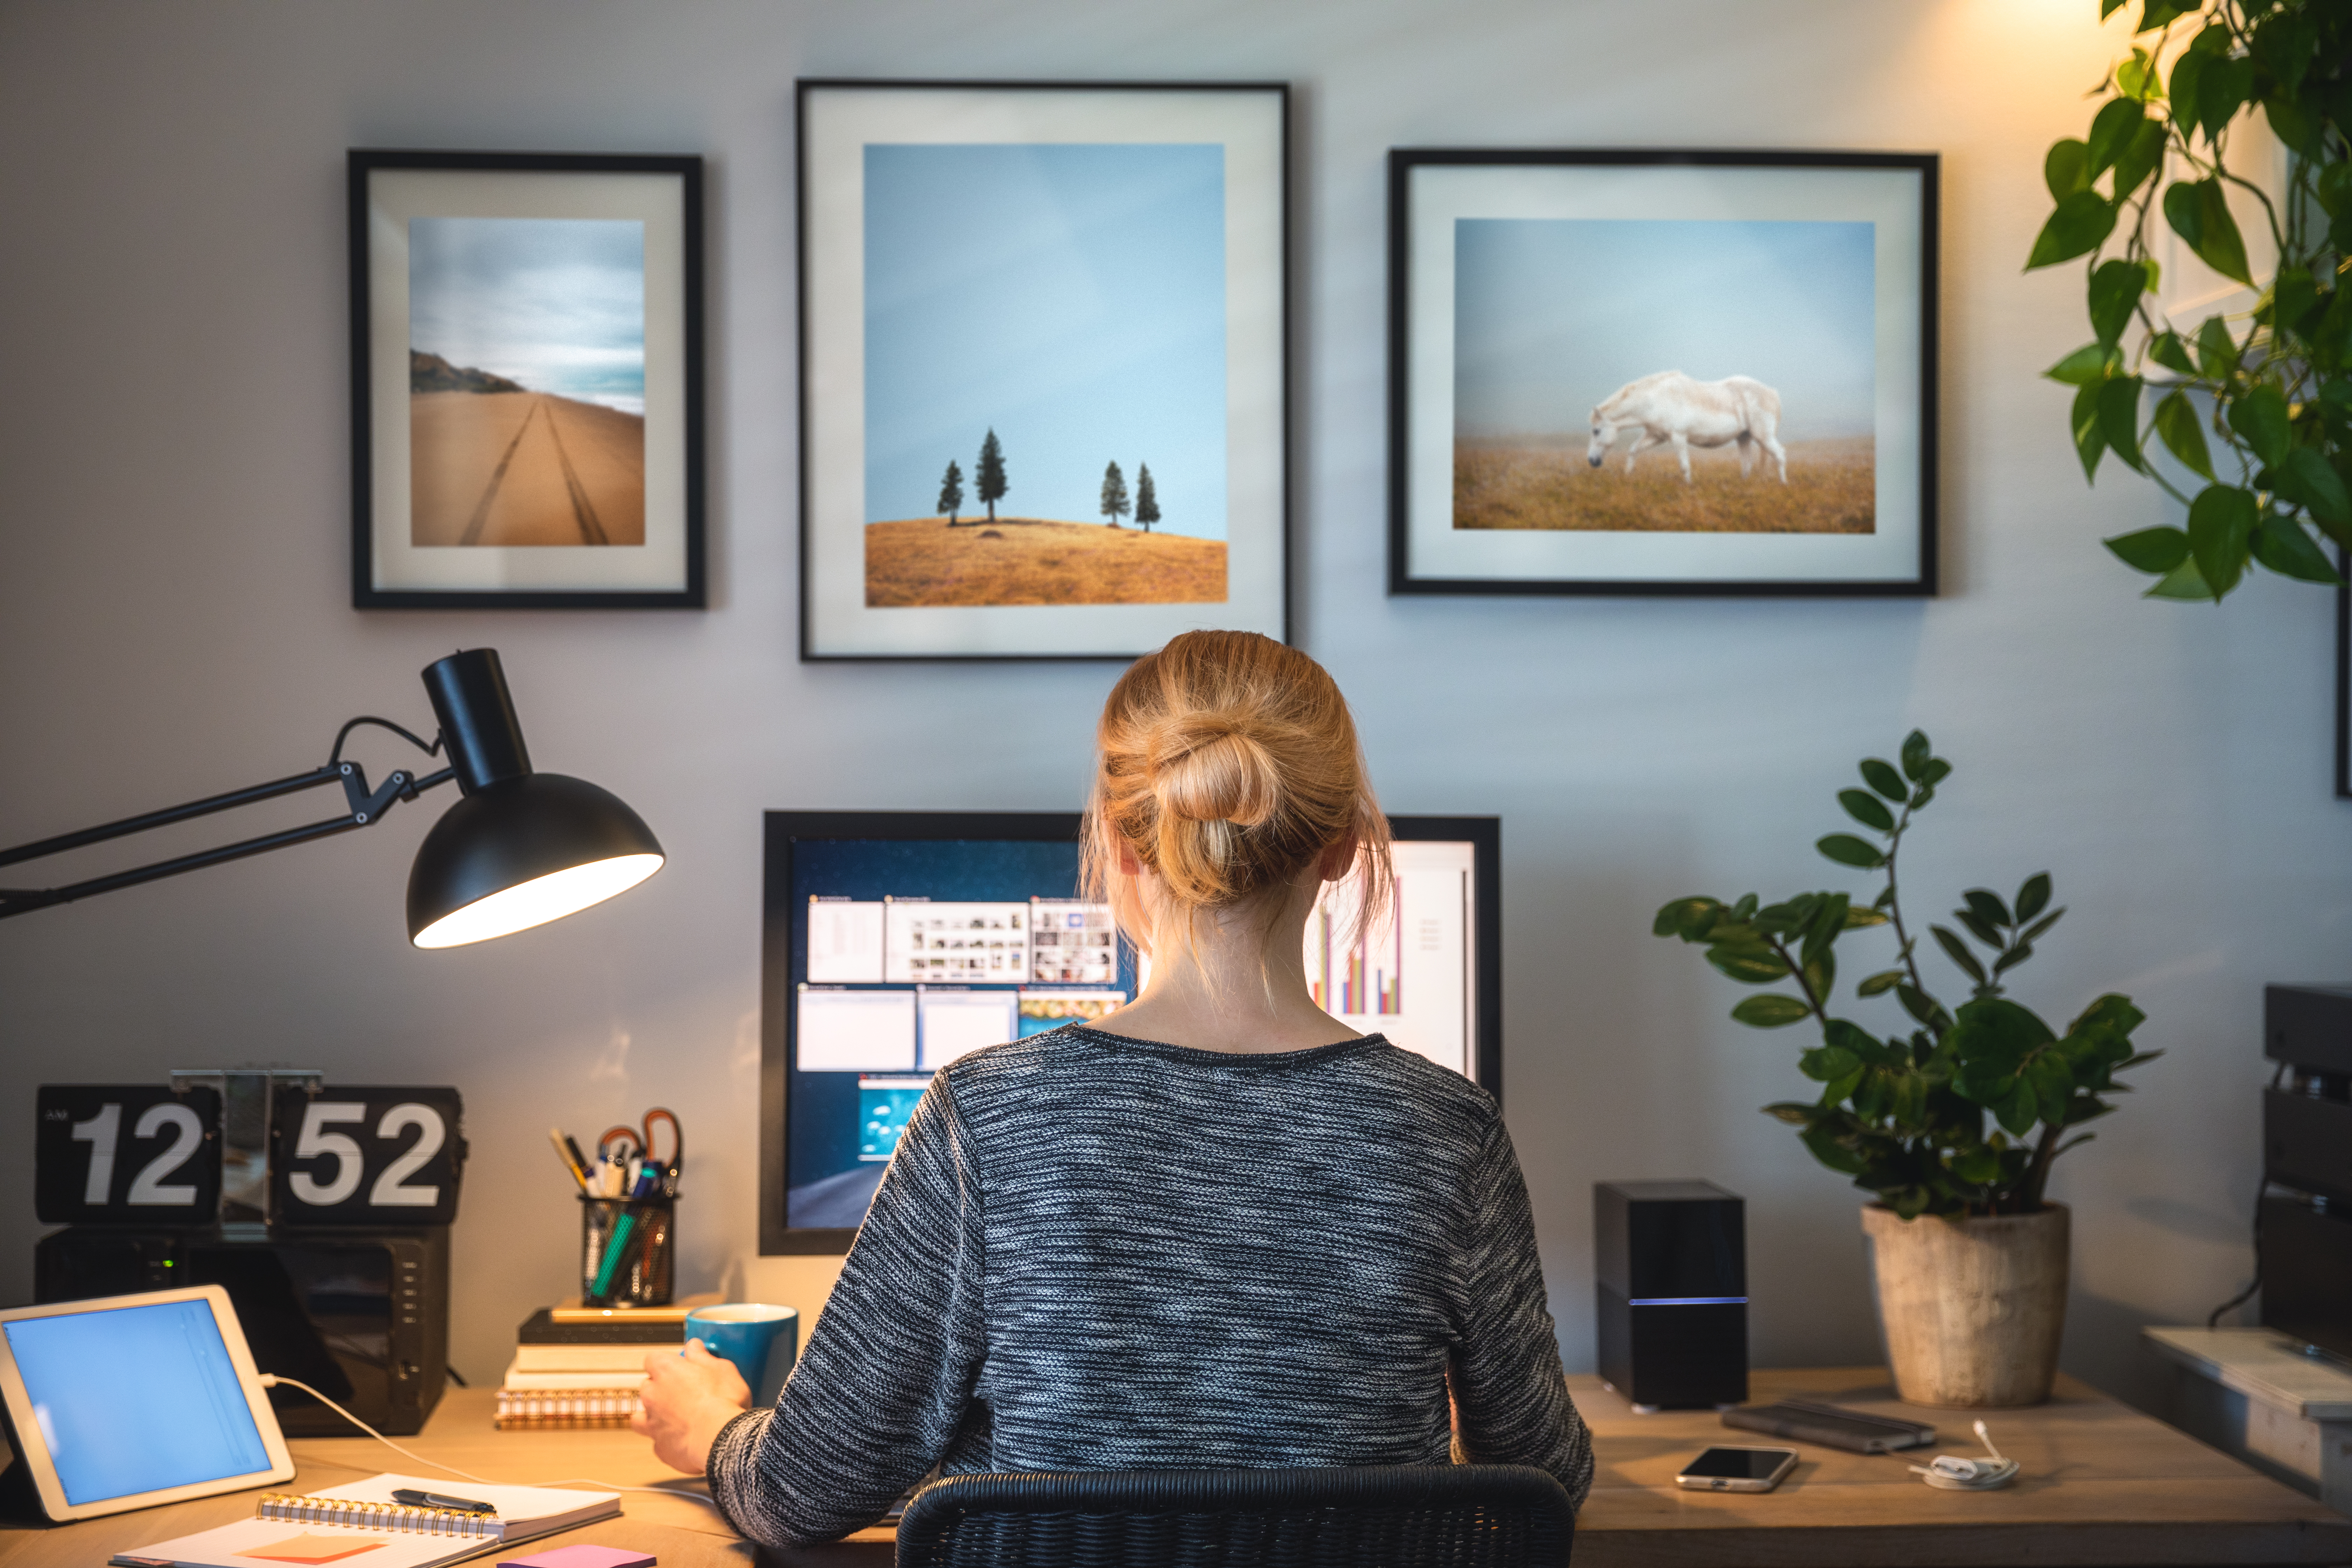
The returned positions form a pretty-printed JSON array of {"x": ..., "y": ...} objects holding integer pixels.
[
  {"x": 2271, "y": 388},
  {"x": 1953, "y": 1120}
]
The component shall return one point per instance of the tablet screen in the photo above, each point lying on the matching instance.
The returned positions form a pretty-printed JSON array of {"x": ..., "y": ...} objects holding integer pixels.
[{"x": 136, "y": 1399}]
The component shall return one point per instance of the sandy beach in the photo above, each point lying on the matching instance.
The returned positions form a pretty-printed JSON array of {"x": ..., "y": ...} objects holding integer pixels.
[{"x": 523, "y": 468}]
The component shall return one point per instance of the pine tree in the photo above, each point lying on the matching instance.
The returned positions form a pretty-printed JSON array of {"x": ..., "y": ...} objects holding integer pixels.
[
  {"x": 1114, "y": 496},
  {"x": 952, "y": 492},
  {"x": 990, "y": 475},
  {"x": 1147, "y": 499}
]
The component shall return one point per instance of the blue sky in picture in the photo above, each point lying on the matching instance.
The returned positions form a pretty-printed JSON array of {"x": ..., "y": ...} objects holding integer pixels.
[
  {"x": 558, "y": 304},
  {"x": 1071, "y": 297},
  {"x": 1551, "y": 315}
]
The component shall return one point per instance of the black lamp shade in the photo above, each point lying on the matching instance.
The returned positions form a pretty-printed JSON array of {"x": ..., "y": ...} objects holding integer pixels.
[{"x": 522, "y": 850}]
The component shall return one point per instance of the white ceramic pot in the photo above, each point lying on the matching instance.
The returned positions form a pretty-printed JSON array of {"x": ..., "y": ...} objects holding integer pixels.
[{"x": 1971, "y": 1308}]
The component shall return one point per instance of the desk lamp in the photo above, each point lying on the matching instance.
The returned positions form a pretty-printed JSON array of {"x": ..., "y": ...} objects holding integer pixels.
[{"x": 518, "y": 848}]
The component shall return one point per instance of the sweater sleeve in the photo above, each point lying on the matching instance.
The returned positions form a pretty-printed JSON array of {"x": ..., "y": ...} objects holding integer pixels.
[
  {"x": 1509, "y": 1387},
  {"x": 887, "y": 1375}
]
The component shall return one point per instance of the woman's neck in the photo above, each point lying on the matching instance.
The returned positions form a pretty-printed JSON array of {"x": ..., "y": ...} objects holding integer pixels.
[{"x": 1238, "y": 985}]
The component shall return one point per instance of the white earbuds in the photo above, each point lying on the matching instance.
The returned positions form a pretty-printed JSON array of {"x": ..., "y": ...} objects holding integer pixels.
[{"x": 1958, "y": 1473}]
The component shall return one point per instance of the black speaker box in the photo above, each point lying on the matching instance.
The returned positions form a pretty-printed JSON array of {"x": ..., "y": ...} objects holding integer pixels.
[
  {"x": 1671, "y": 1287},
  {"x": 363, "y": 1316}
]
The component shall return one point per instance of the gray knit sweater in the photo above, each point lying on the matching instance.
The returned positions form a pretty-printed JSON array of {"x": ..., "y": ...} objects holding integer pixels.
[{"x": 1098, "y": 1253}]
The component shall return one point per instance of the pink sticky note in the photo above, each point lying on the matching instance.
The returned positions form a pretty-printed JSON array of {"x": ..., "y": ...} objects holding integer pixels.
[{"x": 582, "y": 1557}]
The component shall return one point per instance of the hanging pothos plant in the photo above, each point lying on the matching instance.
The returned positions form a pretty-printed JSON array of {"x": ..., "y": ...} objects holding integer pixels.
[{"x": 2259, "y": 409}]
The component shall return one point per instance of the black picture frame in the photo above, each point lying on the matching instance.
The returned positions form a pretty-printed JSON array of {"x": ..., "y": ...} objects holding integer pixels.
[
  {"x": 837, "y": 622},
  {"x": 782, "y": 830},
  {"x": 664, "y": 567},
  {"x": 2344, "y": 674},
  {"x": 1419, "y": 444}
]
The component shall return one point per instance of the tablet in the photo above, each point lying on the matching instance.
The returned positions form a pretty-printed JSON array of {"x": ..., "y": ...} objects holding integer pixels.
[{"x": 128, "y": 1401}]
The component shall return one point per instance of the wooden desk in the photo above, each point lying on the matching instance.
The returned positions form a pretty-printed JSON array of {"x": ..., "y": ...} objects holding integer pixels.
[{"x": 2102, "y": 1487}]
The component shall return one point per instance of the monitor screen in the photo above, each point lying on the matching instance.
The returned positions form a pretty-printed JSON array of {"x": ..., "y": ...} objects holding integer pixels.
[
  {"x": 895, "y": 942},
  {"x": 136, "y": 1399}
]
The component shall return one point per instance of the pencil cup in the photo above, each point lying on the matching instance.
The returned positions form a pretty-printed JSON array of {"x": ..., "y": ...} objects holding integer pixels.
[{"x": 626, "y": 1251}]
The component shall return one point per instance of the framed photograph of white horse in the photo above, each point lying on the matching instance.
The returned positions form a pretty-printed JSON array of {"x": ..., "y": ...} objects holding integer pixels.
[
  {"x": 526, "y": 380},
  {"x": 1655, "y": 373},
  {"x": 1042, "y": 367}
]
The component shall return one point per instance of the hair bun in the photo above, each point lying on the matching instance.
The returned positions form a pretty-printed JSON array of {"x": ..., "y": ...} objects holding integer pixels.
[{"x": 1211, "y": 767}]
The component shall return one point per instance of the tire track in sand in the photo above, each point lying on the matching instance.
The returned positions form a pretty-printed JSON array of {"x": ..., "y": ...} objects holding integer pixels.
[
  {"x": 582, "y": 508},
  {"x": 473, "y": 534}
]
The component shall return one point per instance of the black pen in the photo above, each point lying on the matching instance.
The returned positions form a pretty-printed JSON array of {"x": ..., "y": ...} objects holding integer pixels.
[{"x": 435, "y": 1500}]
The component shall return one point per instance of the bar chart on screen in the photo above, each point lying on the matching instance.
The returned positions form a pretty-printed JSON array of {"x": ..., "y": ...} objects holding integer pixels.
[{"x": 1405, "y": 974}]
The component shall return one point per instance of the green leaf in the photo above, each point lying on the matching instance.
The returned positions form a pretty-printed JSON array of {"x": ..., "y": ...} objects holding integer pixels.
[
  {"x": 1916, "y": 754},
  {"x": 2221, "y": 534},
  {"x": 2015, "y": 1112},
  {"x": 2111, "y": 132},
  {"x": 2066, "y": 169},
  {"x": 1823, "y": 1063},
  {"x": 1877, "y": 984},
  {"x": 2306, "y": 479},
  {"x": 1750, "y": 965},
  {"x": 2011, "y": 959},
  {"x": 2137, "y": 161},
  {"x": 1882, "y": 777},
  {"x": 2091, "y": 362},
  {"x": 1857, "y": 916},
  {"x": 2200, "y": 213},
  {"x": 1771, "y": 1011},
  {"x": 1958, "y": 952},
  {"x": 2223, "y": 89},
  {"x": 2110, "y": 7},
  {"x": 1847, "y": 850},
  {"x": 1794, "y": 1113},
  {"x": 2183, "y": 581},
  {"x": 2285, "y": 44},
  {"x": 2033, "y": 897},
  {"x": 2261, "y": 417},
  {"x": 2154, "y": 550},
  {"x": 2187, "y": 71},
  {"x": 2079, "y": 224},
  {"x": 2183, "y": 432},
  {"x": 2217, "y": 351},
  {"x": 1688, "y": 919},
  {"x": 2294, "y": 293},
  {"x": 1979, "y": 928},
  {"x": 1919, "y": 1004},
  {"x": 2167, "y": 350},
  {"x": 2159, "y": 12},
  {"x": 1987, "y": 907},
  {"x": 1829, "y": 1152},
  {"x": 2090, "y": 432},
  {"x": 2281, "y": 545},
  {"x": 1867, "y": 809},
  {"x": 2119, "y": 418},
  {"x": 2034, "y": 932},
  {"x": 2115, "y": 290}
]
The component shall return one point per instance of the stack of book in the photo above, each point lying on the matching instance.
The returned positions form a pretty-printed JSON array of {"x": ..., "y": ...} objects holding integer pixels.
[{"x": 582, "y": 1366}]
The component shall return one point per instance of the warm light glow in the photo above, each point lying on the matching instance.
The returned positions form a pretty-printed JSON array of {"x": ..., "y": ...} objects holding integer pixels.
[{"x": 538, "y": 901}]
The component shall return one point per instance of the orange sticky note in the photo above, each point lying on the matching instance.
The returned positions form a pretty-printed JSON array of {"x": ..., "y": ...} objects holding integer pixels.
[{"x": 312, "y": 1550}]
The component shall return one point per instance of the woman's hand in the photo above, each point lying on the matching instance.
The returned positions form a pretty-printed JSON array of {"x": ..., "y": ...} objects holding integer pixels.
[{"x": 686, "y": 1399}]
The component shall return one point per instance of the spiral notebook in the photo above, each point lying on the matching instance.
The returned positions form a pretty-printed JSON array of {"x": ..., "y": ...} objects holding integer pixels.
[{"x": 360, "y": 1526}]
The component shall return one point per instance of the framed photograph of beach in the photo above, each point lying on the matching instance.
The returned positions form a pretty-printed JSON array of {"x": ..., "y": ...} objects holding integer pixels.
[
  {"x": 1614, "y": 371},
  {"x": 526, "y": 381},
  {"x": 1044, "y": 375}
]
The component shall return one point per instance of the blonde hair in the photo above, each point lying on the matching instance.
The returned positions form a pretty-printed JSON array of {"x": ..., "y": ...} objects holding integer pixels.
[{"x": 1228, "y": 763}]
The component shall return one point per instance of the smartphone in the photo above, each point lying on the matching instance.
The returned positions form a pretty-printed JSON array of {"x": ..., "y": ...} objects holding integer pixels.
[{"x": 1730, "y": 1469}]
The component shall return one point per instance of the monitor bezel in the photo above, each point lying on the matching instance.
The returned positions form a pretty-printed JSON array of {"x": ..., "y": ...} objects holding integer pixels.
[
  {"x": 782, "y": 830},
  {"x": 33, "y": 1453}
]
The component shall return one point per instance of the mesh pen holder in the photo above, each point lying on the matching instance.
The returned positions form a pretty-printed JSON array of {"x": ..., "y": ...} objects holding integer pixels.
[{"x": 626, "y": 1251}]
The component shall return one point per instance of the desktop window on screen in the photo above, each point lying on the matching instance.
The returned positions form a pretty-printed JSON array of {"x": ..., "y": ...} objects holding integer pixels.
[
  {"x": 906, "y": 954},
  {"x": 136, "y": 1399}
]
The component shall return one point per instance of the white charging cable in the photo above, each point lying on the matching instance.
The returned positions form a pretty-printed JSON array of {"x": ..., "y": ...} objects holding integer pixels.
[
  {"x": 1958, "y": 1473},
  {"x": 272, "y": 1380}
]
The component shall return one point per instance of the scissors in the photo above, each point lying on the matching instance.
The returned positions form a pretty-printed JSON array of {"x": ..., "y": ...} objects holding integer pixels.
[{"x": 638, "y": 1140}]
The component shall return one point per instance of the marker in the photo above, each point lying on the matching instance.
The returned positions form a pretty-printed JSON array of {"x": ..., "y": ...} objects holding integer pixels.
[
  {"x": 435, "y": 1500},
  {"x": 555, "y": 1136}
]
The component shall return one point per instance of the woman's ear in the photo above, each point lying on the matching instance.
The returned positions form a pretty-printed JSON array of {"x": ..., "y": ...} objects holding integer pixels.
[{"x": 1338, "y": 861}]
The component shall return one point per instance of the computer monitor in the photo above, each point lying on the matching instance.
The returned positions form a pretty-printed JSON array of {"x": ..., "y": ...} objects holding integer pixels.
[{"x": 895, "y": 941}]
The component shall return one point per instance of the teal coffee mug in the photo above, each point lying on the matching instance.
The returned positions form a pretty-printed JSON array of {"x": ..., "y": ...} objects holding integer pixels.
[{"x": 761, "y": 1341}]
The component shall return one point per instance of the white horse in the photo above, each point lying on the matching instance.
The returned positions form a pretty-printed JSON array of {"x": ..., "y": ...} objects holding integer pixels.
[{"x": 1671, "y": 407}]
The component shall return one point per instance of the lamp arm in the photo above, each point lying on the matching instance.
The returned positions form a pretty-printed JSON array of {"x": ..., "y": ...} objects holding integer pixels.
[{"x": 365, "y": 808}]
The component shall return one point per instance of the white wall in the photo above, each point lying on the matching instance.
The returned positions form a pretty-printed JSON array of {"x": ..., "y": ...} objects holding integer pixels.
[{"x": 174, "y": 615}]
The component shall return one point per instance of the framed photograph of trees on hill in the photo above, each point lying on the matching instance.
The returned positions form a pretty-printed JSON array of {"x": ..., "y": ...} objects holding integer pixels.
[
  {"x": 1620, "y": 371},
  {"x": 1042, "y": 367},
  {"x": 526, "y": 381}
]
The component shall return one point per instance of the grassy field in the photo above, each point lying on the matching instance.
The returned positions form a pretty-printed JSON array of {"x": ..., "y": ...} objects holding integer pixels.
[
  {"x": 1545, "y": 482},
  {"x": 1036, "y": 561}
]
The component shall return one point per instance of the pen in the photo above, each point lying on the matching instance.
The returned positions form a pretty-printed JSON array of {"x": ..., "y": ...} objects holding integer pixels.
[
  {"x": 435, "y": 1500},
  {"x": 555, "y": 1136}
]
